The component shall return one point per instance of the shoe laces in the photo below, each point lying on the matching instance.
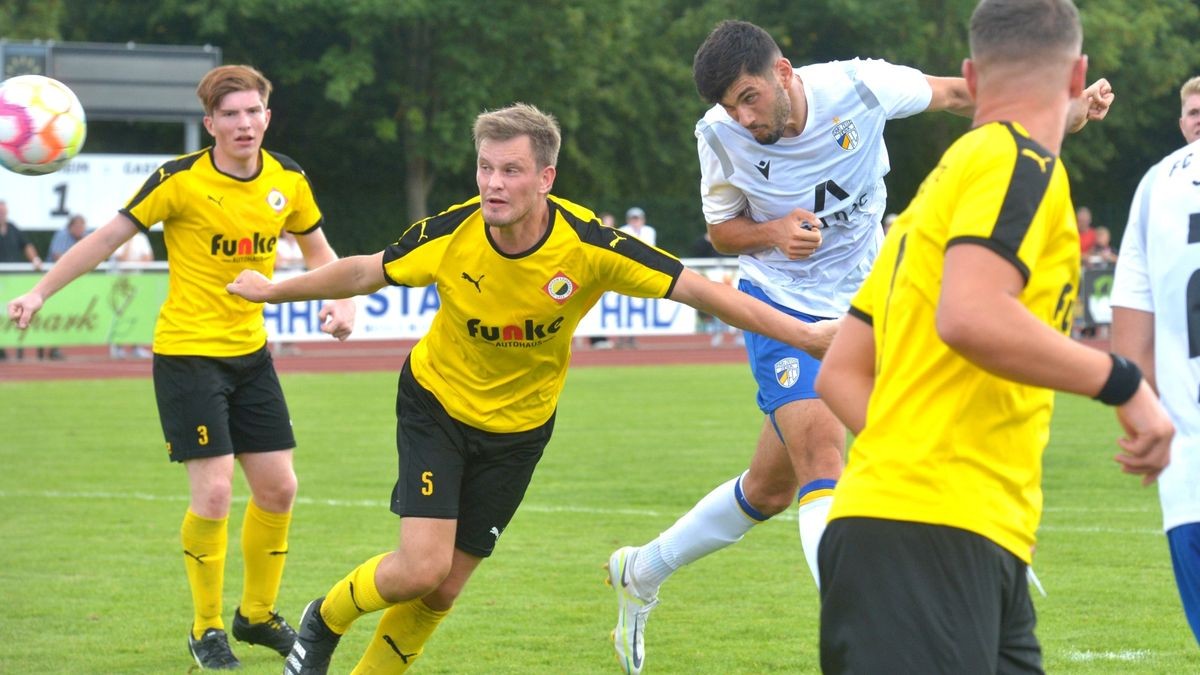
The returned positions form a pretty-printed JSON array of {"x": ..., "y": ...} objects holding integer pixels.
[{"x": 277, "y": 623}]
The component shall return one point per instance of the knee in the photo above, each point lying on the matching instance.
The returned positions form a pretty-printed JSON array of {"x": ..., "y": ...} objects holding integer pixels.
[
  {"x": 410, "y": 575},
  {"x": 770, "y": 497},
  {"x": 442, "y": 598},
  {"x": 278, "y": 494},
  {"x": 211, "y": 499}
]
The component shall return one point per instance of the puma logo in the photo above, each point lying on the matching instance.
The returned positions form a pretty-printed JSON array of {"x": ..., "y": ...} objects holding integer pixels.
[
  {"x": 217, "y": 201},
  {"x": 1041, "y": 161},
  {"x": 198, "y": 558},
  {"x": 474, "y": 281},
  {"x": 392, "y": 643},
  {"x": 420, "y": 235},
  {"x": 162, "y": 174},
  {"x": 616, "y": 240},
  {"x": 283, "y": 552}
]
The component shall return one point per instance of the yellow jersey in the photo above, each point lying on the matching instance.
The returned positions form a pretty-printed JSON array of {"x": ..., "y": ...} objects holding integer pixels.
[
  {"x": 945, "y": 442},
  {"x": 497, "y": 352},
  {"x": 215, "y": 225}
]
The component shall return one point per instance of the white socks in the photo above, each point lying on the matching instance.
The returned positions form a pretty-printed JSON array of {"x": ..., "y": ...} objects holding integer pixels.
[
  {"x": 722, "y": 518},
  {"x": 812, "y": 516},
  {"x": 716, "y": 521}
]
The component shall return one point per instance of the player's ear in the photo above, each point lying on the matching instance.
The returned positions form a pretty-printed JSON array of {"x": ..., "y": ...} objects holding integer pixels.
[
  {"x": 971, "y": 76},
  {"x": 267, "y": 118},
  {"x": 1079, "y": 76},
  {"x": 547, "y": 179},
  {"x": 784, "y": 71},
  {"x": 208, "y": 125}
]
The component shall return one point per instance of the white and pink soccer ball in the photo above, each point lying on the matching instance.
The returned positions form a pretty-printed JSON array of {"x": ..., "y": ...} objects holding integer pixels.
[{"x": 42, "y": 125}]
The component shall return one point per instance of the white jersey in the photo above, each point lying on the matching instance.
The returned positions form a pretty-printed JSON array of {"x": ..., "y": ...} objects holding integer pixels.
[
  {"x": 1158, "y": 271},
  {"x": 834, "y": 168}
]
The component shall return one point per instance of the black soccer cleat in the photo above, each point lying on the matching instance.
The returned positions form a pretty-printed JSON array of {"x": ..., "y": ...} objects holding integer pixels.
[
  {"x": 314, "y": 644},
  {"x": 274, "y": 632},
  {"x": 212, "y": 651}
]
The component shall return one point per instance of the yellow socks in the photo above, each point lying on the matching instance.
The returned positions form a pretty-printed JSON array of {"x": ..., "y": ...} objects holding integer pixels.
[
  {"x": 264, "y": 550},
  {"x": 204, "y": 543},
  {"x": 353, "y": 596},
  {"x": 400, "y": 638}
]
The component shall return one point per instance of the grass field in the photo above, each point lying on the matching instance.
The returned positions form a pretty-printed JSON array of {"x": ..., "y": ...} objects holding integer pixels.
[{"x": 91, "y": 575}]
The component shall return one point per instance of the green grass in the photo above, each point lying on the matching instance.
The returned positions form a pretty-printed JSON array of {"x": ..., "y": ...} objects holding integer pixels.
[{"x": 92, "y": 580}]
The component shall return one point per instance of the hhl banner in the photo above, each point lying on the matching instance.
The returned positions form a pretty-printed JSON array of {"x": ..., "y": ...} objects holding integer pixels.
[
  {"x": 109, "y": 308},
  {"x": 398, "y": 312}
]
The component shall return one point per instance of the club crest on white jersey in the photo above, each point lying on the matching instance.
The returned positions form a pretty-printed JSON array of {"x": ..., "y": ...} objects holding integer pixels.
[{"x": 846, "y": 134}]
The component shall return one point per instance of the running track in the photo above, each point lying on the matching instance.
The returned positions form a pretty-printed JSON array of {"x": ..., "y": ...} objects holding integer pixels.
[{"x": 369, "y": 355}]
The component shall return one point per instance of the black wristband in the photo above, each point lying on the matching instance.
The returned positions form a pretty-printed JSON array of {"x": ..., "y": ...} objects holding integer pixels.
[{"x": 1122, "y": 383}]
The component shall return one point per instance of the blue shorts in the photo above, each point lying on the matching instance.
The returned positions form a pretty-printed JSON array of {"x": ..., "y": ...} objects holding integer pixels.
[
  {"x": 784, "y": 373},
  {"x": 1185, "y": 558}
]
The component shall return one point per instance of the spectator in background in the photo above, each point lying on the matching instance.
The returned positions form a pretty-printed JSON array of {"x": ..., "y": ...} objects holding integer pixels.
[
  {"x": 136, "y": 251},
  {"x": 1102, "y": 252},
  {"x": 14, "y": 248},
  {"x": 64, "y": 239},
  {"x": 1189, "y": 116},
  {"x": 635, "y": 224},
  {"x": 1087, "y": 235},
  {"x": 14, "y": 245}
]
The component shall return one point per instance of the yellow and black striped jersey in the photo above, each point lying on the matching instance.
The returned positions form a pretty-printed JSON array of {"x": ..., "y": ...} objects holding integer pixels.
[
  {"x": 215, "y": 225},
  {"x": 497, "y": 352},
  {"x": 946, "y": 442}
]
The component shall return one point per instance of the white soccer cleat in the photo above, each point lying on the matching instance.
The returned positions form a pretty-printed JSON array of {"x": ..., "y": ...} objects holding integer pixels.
[{"x": 632, "y": 612}]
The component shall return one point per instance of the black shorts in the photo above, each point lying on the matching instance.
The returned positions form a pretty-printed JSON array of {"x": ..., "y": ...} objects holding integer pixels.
[
  {"x": 902, "y": 597},
  {"x": 448, "y": 469},
  {"x": 211, "y": 406}
]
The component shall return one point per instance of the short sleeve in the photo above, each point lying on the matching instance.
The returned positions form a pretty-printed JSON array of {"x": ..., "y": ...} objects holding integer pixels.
[
  {"x": 902, "y": 91},
  {"x": 719, "y": 198}
]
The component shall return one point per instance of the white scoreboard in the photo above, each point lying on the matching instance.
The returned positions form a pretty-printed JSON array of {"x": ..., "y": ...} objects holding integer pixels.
[{"x": 94, "y": 185}]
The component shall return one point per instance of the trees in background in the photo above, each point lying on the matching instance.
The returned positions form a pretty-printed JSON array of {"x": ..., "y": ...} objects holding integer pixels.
[{"x": 376, "y": 97}]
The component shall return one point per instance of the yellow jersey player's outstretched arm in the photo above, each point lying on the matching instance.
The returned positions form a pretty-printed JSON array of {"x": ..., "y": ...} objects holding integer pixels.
[
  {"x": 342, "y": 278},
  {"x": 743, "y": 311},
  {"x": 337, "y": 318}
]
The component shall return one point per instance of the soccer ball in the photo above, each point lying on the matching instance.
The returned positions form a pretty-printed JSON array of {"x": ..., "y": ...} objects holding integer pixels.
[{"x": 42, "y": 125}]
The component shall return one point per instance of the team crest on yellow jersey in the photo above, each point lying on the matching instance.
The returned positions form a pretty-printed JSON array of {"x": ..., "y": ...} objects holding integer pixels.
[
  {"x": 787, "y": 371},
  {"x": 560, "y": 288},
  {"x": 845, "y": 133},
  {"x": 276, "y": 200}
]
